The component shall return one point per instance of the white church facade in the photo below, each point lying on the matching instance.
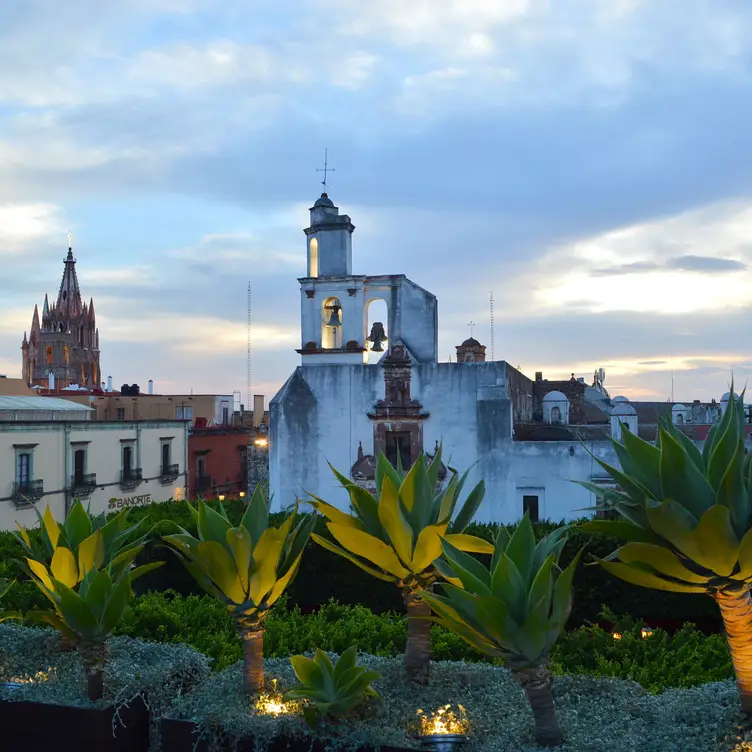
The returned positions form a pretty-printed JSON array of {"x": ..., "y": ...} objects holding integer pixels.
[{"x": 523, "y": 437}]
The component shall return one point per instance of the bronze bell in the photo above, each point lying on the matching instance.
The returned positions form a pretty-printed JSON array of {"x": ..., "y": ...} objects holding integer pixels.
[
  {"x": 334, "y": 319},
  {"x": 377, "y": 336}
]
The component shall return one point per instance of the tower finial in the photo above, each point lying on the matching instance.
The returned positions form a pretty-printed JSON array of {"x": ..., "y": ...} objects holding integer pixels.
[
  {"x": 70, "y": 241},
  {"x": 325, "y": 168}
]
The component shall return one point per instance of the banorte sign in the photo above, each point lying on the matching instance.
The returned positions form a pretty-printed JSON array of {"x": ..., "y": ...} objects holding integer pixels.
[{"x": 131, "y": 501}]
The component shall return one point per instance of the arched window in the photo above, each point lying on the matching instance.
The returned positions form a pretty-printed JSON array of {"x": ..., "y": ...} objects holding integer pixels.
[
  {"x": 49, "y": 356},
  {"x": 65, "y": 354},
  {"x": 555, "y": 414},
  {"x": 679, "y": 418},
  {"x": 331, "y": 324},
  {"x": 313, "y": 258}
]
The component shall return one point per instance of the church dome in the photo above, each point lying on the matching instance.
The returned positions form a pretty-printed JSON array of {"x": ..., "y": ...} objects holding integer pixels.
[
  {"x": 555, "y": 396},
  {"x": 727, "y": 397},
  {"x": 470, "y": 342},
  {"x": 619, "y": 399},
  {"x": 623, "y": 409},
  {"x": 324, "y": 200}
]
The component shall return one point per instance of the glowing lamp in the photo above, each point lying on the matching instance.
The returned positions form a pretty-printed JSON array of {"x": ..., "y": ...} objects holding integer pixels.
[
  {"x": 444, "y": 730},
  {"x": 242, "y": 494},
  {"x": 646, "y": 632},
  {"x": 271, "y": 703},
  {"x": 221, "y": 497},
  {"x": 616, "y": 635},
  {"x": 261, "y": 441},
  {"x": 15, "y": 682}
]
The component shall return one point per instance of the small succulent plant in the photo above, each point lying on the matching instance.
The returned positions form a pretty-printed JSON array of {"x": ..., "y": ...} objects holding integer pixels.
[
  {"x": 330, "y": 689},
  {"x": 5, "y": 585}
]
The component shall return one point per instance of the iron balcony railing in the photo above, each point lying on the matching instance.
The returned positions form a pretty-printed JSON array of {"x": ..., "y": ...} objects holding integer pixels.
[
  {"x": 203, "y": 483},
  {"x": 83, "y": 481},
  {"x": 130, "y": 477},
  {"x": 28, "y": 490},
  {"x": 169, "y": 472}
]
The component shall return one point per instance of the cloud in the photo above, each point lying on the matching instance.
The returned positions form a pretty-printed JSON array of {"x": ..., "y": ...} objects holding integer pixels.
[
  {"x": 708, "y": 264},
  {"x": 23, "y": 226}
]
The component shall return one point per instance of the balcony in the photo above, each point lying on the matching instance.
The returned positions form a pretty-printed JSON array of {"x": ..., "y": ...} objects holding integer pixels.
[
  {"x": 130, "y": 477},
  {"x": 168, "y": 473},
  {"x": 25, "y": 492},
  {"x": 82, "y": 484},
  {"x": 203, "y": 483}
]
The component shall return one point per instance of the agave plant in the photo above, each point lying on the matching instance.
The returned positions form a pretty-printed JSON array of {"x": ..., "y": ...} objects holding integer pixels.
[
  {"x": 514, "y": 610},
  {"x": 396, "y": 536},
  {"x": 687, "y": 522},
  {"x": 5, "y": 585},
  {"x": 332, "y": 689},
  {"x": 85, "y": 568},
  {"x": 246, "y": 567}
]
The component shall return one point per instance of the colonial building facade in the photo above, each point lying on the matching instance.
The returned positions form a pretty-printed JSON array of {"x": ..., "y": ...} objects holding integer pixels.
[
  {"x": 63, "y": 346},
  {"x": 529, "y": 440},
  {"x": 52, "y": 452}
]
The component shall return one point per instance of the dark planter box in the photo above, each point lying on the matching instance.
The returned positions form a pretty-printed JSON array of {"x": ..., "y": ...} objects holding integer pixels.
[
  {"x": 40, "y": 727},
  {"x": 180, "y": 736}
]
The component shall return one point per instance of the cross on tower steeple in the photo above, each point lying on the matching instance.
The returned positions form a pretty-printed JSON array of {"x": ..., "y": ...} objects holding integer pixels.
[
  {"x": 325, "y": 168},
  {"x": 471, "y": 325}
]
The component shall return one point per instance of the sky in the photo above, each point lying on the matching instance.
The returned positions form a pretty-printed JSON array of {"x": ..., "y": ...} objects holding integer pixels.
[{"x": 587, "y": 161}]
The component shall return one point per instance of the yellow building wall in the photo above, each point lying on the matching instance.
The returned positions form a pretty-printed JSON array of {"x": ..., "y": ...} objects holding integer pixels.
[{"x": 53, "y": 463}]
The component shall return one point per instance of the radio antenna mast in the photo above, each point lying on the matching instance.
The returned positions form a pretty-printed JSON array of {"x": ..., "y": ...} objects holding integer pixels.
[
  {"x": 248, "y": 382},
  {"x": 492, "y": 325}
]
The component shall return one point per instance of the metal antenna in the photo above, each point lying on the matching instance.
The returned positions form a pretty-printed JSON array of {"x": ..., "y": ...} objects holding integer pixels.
[
  {"x": 325, "y": 168},
  {"x": 248, "y": 381},
  {"x": 492, "y": 325}
]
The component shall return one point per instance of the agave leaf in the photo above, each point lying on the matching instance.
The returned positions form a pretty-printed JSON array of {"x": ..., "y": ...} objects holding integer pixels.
[
  {"x": 74, "y": 611},
  {"x": 623, "y": 530},
  {"x": 641, "y": 460},
  {"x": 469, "y": 508},
  {"x": 266, "y": 557},
  {"x": 48, "y": 617},
  {"x": 745, "y": 557},
  {"x": 394, "y": 523},
  {"x": 674, "y": 523},
  {"x": 23, "y": 535},
  {"x": 335, "y": 515},
  {"x": 219, "y": 566},
  {"x": 469, "y": 543},
  {"x": 296, "y": 542},
  {"x": 717, "y": 541},
  {"x": 63, "y": 567},
  {"x": 211, "y": 525},
  {"x": 633, "y": 488},
  {"x": 90, "y": 553},
  {"x": 447, "y": 500},
  {"x": 508, "y": 584},
  {"x": 137, "y": 572},
  {"x": 281, "y": 584},
  {"x": 51, "y": 528},
  {"x": 334, "y": 548},
  {"x": 733, "y": 494},
  {"x": 434, "y": 468},
  {"x": 98, "y": 593},
  {"x": 239, "y": 543},
  {"x": 345, "y": 663},
  {"x": 427, "y": 548},
  {"x": 542, "y": 586},
  {"x": 689, "y": 446},
  {"x": 500, "y": 545},
  {"x": 119, "y": 598},
  {"x": 308, "y": 672},
  {"x": 520, "y": 548},
  {"x": 534, "y": 634},
  {"x": 561, "y": 604},
  {"x": 385, "y": 469},
  {"x": 40, "y": 571},
  {"x": 77, "y": 525},
  {"x": 369, "y": 547},
  {"x": 640, "y": 577},
  {"x": 495, "y": 621},
  {"x": 725, "y": 445},
  {"x": 443, "y": 568},
  {"x": 659, "y": 559},
  {"x": 256, "y": 517},
  {"x": 681, "y": 480},
  {"x": 473, "y": 575}
]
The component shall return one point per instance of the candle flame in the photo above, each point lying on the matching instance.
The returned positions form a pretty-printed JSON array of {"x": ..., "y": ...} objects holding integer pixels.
[{"x": 444, "y": 721}]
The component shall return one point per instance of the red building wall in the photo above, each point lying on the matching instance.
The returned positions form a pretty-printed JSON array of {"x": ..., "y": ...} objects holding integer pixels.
[{"x": 217, "y": 463}]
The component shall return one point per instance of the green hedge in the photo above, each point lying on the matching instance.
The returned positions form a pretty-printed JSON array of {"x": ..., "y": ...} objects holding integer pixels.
[
  {"x": 686, "y": 659},
  {"x": 324, "y": 576}
]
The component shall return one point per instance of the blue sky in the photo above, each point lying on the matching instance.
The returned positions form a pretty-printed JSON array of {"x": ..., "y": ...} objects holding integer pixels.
[{"x": 588, "y": 161}]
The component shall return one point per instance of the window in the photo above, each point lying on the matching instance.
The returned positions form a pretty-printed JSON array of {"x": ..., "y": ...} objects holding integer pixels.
[
  {"x": 79, "y": 467},
  {"x": 201, "y": 465},
  {"x": 313, "y": 258},
  {"x": 225, "y": 415},
  {"x": 530, "y": 505},
  {"x": 121, "y": 413},
  {"x": 49, "y": 356},
  {"x": 165, "y": 457},
  {"x": 127, "y": 462},
  {"x": 679, "y": 418},
  {"x": 331, "y": 324},
  {"x": 66, "y": 354},
  {"x": 184, "y": 412},
  {"x": 23, "y": 468},
  {"x": 555, "y": 415},
  {"x": 398, "y": 445}
]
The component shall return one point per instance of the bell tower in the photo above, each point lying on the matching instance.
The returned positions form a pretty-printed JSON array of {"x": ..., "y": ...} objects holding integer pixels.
[{"x": 329, "y": 240}]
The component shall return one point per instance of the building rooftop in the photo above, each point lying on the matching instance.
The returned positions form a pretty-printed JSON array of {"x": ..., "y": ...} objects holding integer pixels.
[{"x": 43, "y": 404}]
